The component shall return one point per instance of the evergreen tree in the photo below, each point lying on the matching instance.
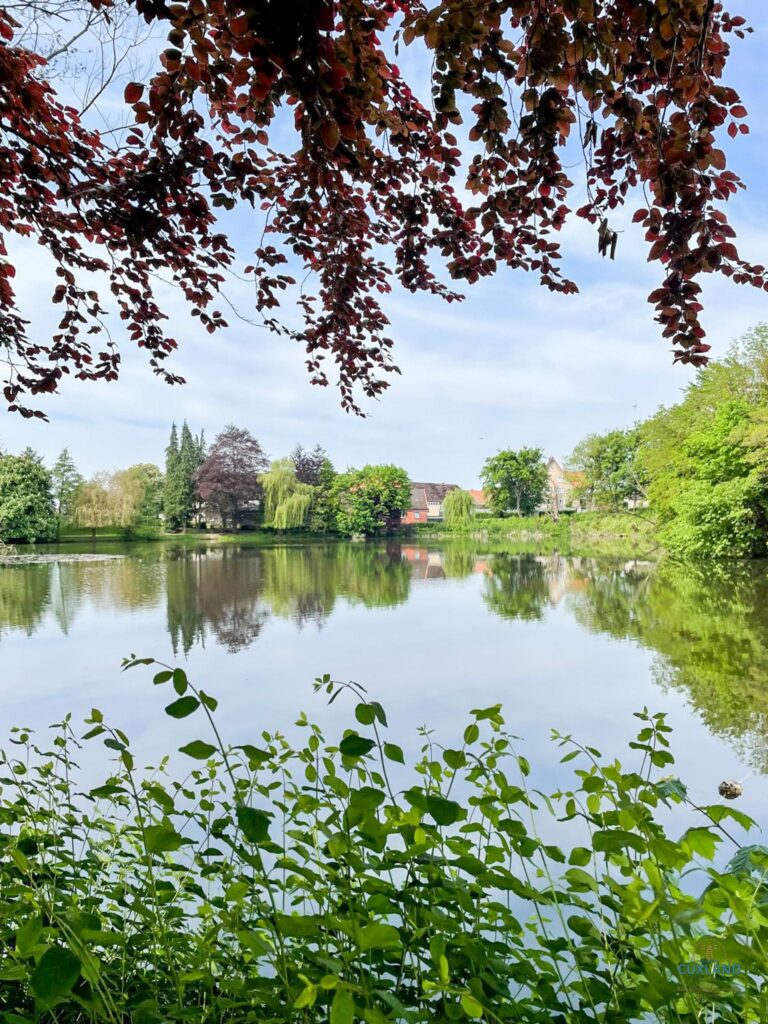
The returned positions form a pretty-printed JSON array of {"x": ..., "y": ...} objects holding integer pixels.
[
  {"x": 172, "y": 496},
  {"x": 66, "y": 480},
  {"x": 189, "y": 463}
]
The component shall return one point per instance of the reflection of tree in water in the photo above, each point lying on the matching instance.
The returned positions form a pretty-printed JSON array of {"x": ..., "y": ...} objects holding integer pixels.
[
  {"x": 218, "y": 589},
  {"x": 517, "y": 587},
  {"x": 373, "y": 575},
  {"x": 232, "y": 592},
  {"x": 299, "y": 584},
  {"x": 26, "y": 591},
  {"x": 132, "y": 583},
  {"x": 709, "y": 626},
  {"x": 24, "y": 596}
]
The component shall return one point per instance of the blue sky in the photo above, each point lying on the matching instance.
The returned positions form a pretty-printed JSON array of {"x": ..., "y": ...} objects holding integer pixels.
[{"x": 512, "y": 365}]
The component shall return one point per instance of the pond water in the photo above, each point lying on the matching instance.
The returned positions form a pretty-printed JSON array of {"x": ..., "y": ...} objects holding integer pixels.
[{"x": 574, "y": 644}]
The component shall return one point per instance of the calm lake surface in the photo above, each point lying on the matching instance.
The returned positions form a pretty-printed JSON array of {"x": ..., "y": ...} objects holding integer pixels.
[{"x": 571, "y": 643}]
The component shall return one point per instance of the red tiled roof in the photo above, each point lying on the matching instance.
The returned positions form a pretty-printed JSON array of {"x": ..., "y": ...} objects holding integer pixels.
[{"x": 479, "y": 497}]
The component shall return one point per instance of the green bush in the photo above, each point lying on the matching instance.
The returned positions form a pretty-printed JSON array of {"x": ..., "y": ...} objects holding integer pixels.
[{"x": 328, "y": 882}]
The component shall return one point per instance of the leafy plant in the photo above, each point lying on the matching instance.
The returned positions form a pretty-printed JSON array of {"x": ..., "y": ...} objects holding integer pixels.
[{"x": 327, "y": 882}]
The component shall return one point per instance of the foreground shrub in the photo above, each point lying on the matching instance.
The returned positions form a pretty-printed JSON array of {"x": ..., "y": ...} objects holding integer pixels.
[{"x": 326, "y": 882}]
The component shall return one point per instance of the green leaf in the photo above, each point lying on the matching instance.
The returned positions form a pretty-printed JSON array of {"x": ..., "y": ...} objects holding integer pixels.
[
  {"x": 210, "y": 702},
  {"x": 394, "y": 753},
  {"x": 180, "y": 683},
  {"x": 28, "y": 936},
  {"x": 198, "y": 749},
  {"x": 454, "y": 758},
  {"x": 470, "y": 1006},
  {"x": 617, "y": 840},
  {"x": 580, "y": 856},
  {"x": 342, "y": 1007},
  {"x": 378, "y": 712},
  {"x": 365, "y": 714},
  {"x": 701, "y": 841},
  {"x": 306, "y": 997},
  {"x": 378, "y": 936},
  {"x": 97, "y": 730},
  {"x": 182, "y": 707},
  {"x": 355, "y": 745},
  {"x": 471, "y": 733},
  {"x": 255, "y": 755},
  {"x": 162, "y": 839},
  {"x": 254, "y": 824},
  {"x": 104, "y": 791},
  {"x": 672, "y": 787},
  {"x": 444, "y": 812},
  {"x": 162, "y": 677},
  {"x": 366, "y": 798},
  {"x": 55, "y": 974}
]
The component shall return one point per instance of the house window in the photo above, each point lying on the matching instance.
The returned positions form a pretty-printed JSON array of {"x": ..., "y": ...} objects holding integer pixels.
[{"x": 417, "y": 515}]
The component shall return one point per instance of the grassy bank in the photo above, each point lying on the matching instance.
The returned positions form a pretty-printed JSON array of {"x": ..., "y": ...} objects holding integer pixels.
[
  {"x": 591, "y": 533},
  {"x": 585, "y": 534},
  {"x": 336, "y": 879}
]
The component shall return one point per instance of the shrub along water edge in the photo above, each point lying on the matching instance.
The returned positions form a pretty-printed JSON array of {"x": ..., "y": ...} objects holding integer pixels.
[{"x": 280, "y": 882}]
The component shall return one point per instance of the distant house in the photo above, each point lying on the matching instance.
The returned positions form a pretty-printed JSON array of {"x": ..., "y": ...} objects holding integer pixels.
[
  {"x": 417, "y": 513},
  {"x": 562, "y": 490},
  {"x": 481, "y": 504},
  {"x": 426, "y": 503}
]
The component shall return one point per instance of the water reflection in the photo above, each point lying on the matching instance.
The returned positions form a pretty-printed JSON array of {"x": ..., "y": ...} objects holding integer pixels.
[{"x": 708, "y": 628}]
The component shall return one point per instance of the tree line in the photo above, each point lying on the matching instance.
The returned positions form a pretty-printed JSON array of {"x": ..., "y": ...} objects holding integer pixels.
[
  {"x": 698, "y": 468},
  {"x": 230, "y": 485}
]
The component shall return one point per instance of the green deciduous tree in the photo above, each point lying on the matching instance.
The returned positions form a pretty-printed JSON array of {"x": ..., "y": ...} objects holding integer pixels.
[
  {"x": 287, "y": 501},
  {"x": 372, "y": 499},
  {"x": 458, "y": 508},
  {"x": 612, "y": 475},
  {"x": 705, "y": 458},
  {"x": 515, "y": 480},
  {"x": 94, "y": 506},
  {"x": 27, "y": 511}
]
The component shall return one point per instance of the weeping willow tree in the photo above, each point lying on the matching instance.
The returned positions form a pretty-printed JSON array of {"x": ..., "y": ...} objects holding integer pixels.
[
  {"x": 292, "y": 513},
  {"x": 287, "y": 502},
  {"x": 458, "y": 508}
]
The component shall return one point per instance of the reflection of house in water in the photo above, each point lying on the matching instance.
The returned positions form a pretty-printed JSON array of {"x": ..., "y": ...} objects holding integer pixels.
[
  {"x": 426, "y": 564},
  {"x": 563, "y": 576}
]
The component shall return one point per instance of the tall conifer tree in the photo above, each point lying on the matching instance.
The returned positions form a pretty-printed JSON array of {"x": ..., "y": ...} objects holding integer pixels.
[{"x": 172, "y": 496}]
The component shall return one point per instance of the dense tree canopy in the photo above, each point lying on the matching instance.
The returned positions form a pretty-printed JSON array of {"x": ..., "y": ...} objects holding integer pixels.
[
  {"x": 372, "y": 499},
  {"x": 612, "y": 475},
  {"x": 705, "y": 458},
  {"x": 26, "y": 500},
  {"x": 515, "y": 480},
  {"x": 369, "y": 189},
  {"x": 228, "y": 479}
]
